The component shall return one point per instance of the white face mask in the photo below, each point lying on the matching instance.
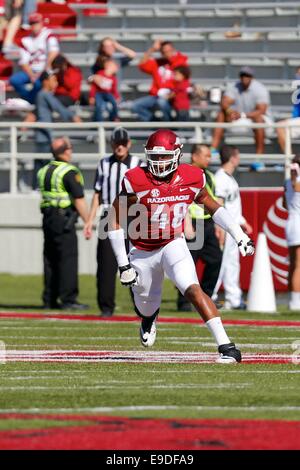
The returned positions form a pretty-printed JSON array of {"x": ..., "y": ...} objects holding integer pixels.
[{"x": 164, "y": 166}]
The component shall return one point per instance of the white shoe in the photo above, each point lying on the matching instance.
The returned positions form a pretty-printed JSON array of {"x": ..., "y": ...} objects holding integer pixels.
[
  {"x": 148, "y": 332},
  {"x": 294, "y": 306}
]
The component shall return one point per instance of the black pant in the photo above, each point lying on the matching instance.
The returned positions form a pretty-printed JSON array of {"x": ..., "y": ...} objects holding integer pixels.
[
  {"x": 211, "y": 255},
  {"x": 60, "y": 256},
  {"x": 66, "y": 100},
  {"x": 107, "y": 269}
]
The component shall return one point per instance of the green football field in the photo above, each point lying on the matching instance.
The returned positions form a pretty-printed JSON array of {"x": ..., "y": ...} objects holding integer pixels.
[{"x": 63, "y": 371}]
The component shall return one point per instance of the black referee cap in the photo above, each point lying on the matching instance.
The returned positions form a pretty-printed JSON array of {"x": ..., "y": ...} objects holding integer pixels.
[{"x": 119, "y": 136}]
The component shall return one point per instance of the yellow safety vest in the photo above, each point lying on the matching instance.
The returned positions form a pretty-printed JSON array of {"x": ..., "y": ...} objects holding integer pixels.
[
  {"x": 196, "y": 211},
  {"x": 58, "y": 196}
]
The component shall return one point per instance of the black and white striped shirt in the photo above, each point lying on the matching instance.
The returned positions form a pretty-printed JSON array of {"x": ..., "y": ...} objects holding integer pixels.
[{"x": 109, "y": 175}]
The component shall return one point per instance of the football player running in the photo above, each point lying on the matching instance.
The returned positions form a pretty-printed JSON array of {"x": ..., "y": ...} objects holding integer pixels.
[{"x": 162, "y": 192}]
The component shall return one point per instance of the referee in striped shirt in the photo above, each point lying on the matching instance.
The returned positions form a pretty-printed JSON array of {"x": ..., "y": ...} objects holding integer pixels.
[{"x": 109, "y": 175}]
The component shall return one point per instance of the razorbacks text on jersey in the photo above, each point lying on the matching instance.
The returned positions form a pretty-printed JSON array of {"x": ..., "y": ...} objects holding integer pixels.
[{"x": 158, "y": 216}]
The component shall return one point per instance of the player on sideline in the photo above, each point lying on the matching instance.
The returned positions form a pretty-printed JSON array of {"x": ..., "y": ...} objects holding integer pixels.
[{"x": 164, "y": 190}]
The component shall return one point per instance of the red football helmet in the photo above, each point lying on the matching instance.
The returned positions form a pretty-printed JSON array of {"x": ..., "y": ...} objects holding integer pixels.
[{"x": 163, "y": 151}]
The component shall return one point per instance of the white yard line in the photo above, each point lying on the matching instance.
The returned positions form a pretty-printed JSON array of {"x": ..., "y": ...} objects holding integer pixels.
[
  {"x": 263, "y": 346},
  {"x": 189, "y": 339},
  {"x": 71, "y": 338},
  {"x": 107, "y": 386},
  {"x": 111, "y": 409},
  {"x": 82, "y": 373}
]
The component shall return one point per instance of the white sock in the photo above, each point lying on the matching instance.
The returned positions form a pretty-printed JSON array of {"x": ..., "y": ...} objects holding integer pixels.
[
  {"x": 294, "y": 300},
  {"x": 216, "y": 328}
]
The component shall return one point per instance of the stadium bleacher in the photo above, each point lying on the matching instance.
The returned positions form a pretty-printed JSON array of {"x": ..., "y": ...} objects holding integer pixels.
[{"x": 267, "y": 38}]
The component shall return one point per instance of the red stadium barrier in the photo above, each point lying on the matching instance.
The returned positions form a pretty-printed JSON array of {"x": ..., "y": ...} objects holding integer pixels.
[{"x": 263, "y": 210}]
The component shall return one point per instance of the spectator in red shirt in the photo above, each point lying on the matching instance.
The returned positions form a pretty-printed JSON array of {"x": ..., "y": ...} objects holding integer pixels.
[
  {"x": 180, "y": 92},
  {"x": 69, "y": 80},
  {"x": 104, "y": 91},
  {"x": 162, "y": 71}
]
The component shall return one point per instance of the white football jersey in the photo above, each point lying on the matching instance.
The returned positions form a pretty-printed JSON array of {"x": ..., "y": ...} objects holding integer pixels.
[
  {"x": 292, "y": 197},
  {"x": 35, "y": 50},
  {"x": 227, "y": 188}
]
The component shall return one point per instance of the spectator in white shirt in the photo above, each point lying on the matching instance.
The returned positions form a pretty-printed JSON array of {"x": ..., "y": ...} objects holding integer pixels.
[
  {"x": 36, "y": 55},
  {"x": 228, "y": 194},
  {"x": 245, "y": 102}
]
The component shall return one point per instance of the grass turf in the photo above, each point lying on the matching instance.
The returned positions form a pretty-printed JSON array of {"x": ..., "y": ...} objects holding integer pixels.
[{"x": 248, "y": 391}]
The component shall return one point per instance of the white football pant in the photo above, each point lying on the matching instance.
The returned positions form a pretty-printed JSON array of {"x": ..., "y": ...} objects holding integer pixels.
[
  {"x": 230, "y": 274},
  {"x": 174, "y": 260}
]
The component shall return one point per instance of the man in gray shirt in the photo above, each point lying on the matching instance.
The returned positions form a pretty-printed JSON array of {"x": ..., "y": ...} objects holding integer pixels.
[{"x": 247, "y": 100}]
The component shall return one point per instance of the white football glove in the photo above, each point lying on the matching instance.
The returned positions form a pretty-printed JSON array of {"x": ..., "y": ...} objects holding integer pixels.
[
  {"x": 128, "y": 276},
  {"x": 246, "y": 246}
]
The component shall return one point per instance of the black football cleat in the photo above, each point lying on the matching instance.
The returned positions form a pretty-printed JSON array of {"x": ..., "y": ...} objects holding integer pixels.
[
  {"x": 148, "y": 331},
  {"x": 229, "y": 354}
]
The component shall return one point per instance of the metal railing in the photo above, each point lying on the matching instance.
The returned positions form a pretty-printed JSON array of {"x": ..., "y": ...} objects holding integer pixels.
[
  {"x": 186, "y": 7},
  {"x": 14, "y": 156},
  {"x": 239, "y": 9}
]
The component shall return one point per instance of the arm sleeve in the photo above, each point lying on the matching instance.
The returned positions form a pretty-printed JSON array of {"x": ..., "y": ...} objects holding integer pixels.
[
  {"x": 117, "y": 240},
  {"x": 126, "y": 187},
  {"x": 223, "y": 218},
  {"x": 230, "y": 92},
  {"x": 73, "y": 185},
  {"x": 150, "y": 66},
  {"x": 24, "y": 56},
  {"x": 221, "y": 190},
  {"x": 262, "y": 96},
  {"x": 53, "y": 45}
]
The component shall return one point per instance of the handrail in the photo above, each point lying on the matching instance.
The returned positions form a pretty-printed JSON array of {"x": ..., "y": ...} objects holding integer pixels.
[
  {"x": 135, "y": 125},
  {"x": 260, "y": 56},
  {"x": 188, "y": 6},
  {"x": 182, "y": 30},
  {"x": 101, "y": 128}
]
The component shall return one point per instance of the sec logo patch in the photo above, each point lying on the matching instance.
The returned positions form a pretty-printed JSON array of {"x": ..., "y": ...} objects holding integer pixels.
[{"x": 155, "y": 192}]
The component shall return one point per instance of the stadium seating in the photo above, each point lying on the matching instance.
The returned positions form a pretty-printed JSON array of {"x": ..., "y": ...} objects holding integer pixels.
[
  {"x": 57, "y": 15},
  {"x": 267, "y": 38}
]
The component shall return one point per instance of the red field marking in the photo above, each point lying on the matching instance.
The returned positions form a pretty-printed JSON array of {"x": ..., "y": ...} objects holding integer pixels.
[
  {"x": 142, "y": 357},
  {"x": 127, "y": 318},
  {"x": 115, "y": 433}
]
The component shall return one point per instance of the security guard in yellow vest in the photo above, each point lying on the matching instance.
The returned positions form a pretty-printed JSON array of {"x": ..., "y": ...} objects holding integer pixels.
[
  {"x": 210, "y": 253},
  {"x": 61, "y": 186}
]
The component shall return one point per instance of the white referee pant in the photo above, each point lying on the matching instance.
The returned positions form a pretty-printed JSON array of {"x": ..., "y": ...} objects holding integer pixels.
[
  {"x": 174, "y": 260},
  {"x": 230, "y": 274}
]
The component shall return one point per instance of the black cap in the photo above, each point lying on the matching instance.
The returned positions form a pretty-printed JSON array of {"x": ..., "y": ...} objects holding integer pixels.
[{"x": 119, "y": 136}]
